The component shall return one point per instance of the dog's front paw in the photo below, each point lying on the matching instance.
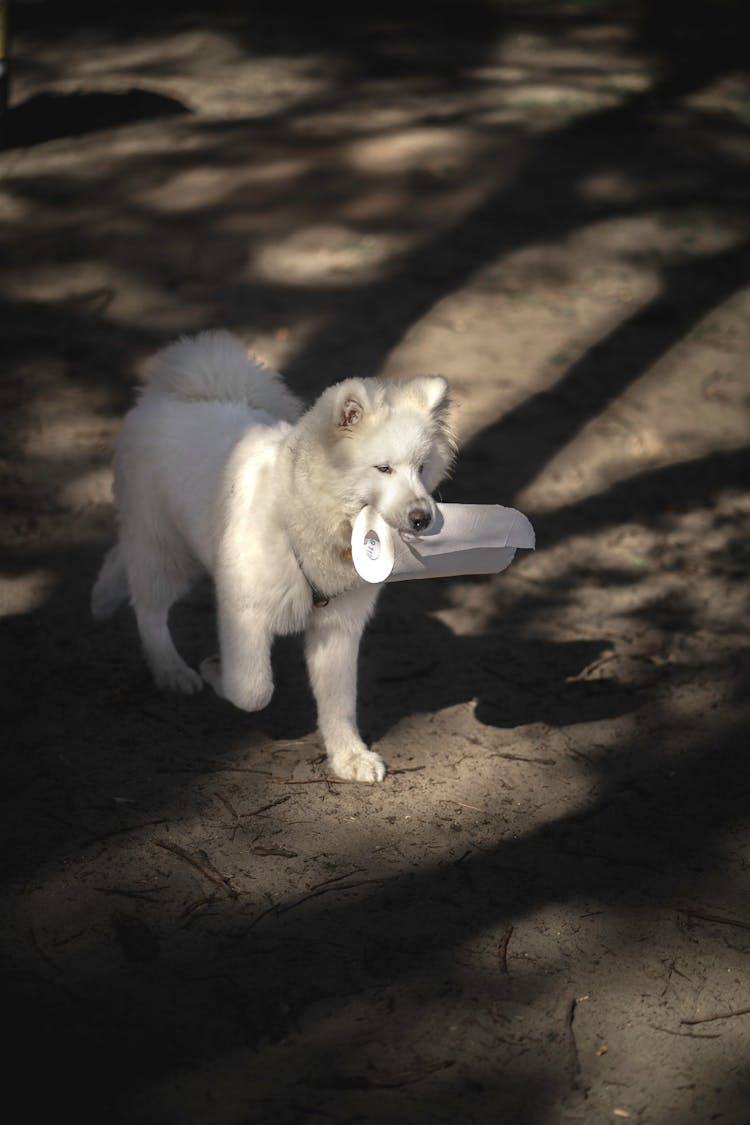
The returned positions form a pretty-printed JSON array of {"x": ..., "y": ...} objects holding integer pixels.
[
  {"x": 358, "y": 764},
  {"x": 249, "y": 695}
]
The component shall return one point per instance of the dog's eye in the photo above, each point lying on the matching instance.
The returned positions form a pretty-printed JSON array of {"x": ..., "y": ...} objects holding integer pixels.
[
  {"x": 384, "y": 468},
  {"x": 421, "y": 469}
]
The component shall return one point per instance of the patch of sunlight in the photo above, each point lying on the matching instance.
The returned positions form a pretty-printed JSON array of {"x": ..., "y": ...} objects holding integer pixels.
[
  {"x": 23, "y": 593},
  {"x": 523, "y": 320},
  {"x": 93, "y": 487},
  {"x": 316, "y": 253},
  {"x": 216, "y": 185},
  {"x": 12, "y": 208},
  {"x": 499, "y": 73},
  {"x": 610, "y": 186},
  {"x": 514, "y": 329},
  {"x": 691, "y": 403},
  {"x": 342, "y": 119},
  {"x": 184, "y": 66},
  {"x": 727, "y": 95},
  {"x": 570, "y": 100},
  {"x": 90, "y": 291},
  {"x": 139, "y": 54},
  {"x": 414, "y": 150}
]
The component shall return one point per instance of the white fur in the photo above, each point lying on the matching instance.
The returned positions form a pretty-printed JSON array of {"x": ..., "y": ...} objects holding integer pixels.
[{"x": 215, "y": 471}]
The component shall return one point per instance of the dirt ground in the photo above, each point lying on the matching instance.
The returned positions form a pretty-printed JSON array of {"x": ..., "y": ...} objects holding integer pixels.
[{"x": 542, "y": 915}]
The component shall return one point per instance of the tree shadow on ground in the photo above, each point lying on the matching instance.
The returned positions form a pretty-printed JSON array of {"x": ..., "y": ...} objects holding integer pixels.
[
  {"x": 646, "y": 836},
  {"x": 647, "y": 839}
]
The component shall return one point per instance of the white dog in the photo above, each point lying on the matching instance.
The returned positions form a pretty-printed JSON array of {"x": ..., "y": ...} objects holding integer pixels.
[{"x": 217, "y": 470}]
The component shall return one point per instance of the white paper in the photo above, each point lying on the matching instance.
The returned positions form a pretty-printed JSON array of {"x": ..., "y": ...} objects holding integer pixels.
[{"x": 464, "y": 539}]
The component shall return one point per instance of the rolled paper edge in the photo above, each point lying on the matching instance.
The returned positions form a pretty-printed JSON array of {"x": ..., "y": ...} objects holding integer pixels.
[
  {"x": 453, "y": 564},
  {"x": 401, "y": 559}
]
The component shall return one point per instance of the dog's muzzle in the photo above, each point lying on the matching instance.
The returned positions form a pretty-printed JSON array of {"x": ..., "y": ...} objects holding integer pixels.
[{"x": 419, "y": 519}]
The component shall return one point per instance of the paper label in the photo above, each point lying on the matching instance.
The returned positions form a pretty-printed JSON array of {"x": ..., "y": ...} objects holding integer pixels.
[{"x": 372, "y": 546}]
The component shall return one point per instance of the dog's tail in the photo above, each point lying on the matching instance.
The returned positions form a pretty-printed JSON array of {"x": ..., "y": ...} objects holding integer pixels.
[
  {"x": 215, "y": 367},
  {"x": 111, "y": 587}
]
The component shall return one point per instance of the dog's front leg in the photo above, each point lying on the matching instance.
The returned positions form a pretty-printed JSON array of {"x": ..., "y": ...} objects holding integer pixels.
[
  {"x": 331, "y": 648},
  {"x": 242, "y": 673}
]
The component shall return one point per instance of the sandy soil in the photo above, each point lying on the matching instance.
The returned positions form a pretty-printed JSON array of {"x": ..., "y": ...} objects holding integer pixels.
[{"x": 542, "y": 915}]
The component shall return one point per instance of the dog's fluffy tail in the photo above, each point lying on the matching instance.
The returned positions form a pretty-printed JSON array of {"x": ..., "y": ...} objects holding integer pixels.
[
  {"x": 111, "y": 587},
  {"x": 215, "y": 367}
]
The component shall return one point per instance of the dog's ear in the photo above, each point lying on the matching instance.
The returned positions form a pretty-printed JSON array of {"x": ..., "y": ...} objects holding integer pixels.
[
  {"x": 350, "y": 413},
  {"x": 351, "y": 405},
  {"x": 431, "y": 392}
]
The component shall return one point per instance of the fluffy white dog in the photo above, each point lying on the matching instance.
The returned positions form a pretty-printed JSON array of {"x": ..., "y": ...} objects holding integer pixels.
[{"x": 217, "y": 470}]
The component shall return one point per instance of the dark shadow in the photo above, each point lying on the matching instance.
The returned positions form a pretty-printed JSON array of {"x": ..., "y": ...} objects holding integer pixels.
[
  {"x": 652, "y": 497},
  {"x": 188, "y": 989},
  {"x": 234, "y": 983},
  {"x": 527, "y": 437},
  {"x": 48, "y": 117}
]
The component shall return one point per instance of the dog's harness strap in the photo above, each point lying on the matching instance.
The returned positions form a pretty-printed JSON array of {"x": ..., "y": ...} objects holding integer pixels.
[{"x": 319, "y": 600}]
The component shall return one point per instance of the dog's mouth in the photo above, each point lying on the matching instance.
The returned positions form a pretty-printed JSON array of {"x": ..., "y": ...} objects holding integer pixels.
[{"x": 418, "y": 521}]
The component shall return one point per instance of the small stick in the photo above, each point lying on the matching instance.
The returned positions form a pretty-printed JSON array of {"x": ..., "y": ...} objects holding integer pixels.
[
  {"x": 204, "y": 866},
  {"x": 584, "y": 673},
  {"x": 720, "y": 918},
  {"x": 232, "y": 812},
  {"x": 284, "y": 852},
  {"x": 146, "y": 896},
  {"x": 502, "y": 949},
  {"x": 521, "y": 758},
  {"x": 318, "y": 781},
  {"x": 461, "y": 804},
  {"x": 270, "y": 805},
  {"x": 685, "y": 1034},
  {"x": 194, "y": 907},
  {"x": 227, "y": 805},
  {"x": 717, "y": 1016},
  {"x": 321, "y": 890},
  {"x": 395, "y": 1081},
  {"x": 573, "y": 1055}
]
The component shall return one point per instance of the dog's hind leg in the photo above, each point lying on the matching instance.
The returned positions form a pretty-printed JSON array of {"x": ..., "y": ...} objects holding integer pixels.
[
  {"x": 157, "y": 579},
  {"x": 111, "y": 586},
  {"x": 169, "y": 669}
]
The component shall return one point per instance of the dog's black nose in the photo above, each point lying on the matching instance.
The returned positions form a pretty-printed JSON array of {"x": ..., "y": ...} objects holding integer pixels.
[{"x": 419, "y": 518}]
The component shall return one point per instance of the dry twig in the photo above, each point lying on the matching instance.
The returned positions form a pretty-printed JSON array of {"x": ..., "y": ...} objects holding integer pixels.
[
  {"x": 315, "y": 892},
  {"x": 721, "y": 919},
  {"x": 717, "y": 1016},
  {"x": 585, "y": 673},
  {"x": 203, "y": 865},
  {"x": 522, "y": 758},
  {"x": 502, "y": 949},
  {"x": 318, "y": 781},
  {"x": 685, "y": 1034},
  {"x": 461, "y": 804}
]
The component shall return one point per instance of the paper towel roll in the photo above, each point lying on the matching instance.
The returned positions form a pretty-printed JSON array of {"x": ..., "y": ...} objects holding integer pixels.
[{"x": 464, "y": 539}]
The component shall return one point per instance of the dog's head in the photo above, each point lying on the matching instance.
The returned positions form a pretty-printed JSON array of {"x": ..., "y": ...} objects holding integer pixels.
[{"x": 390, "y": 445}]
